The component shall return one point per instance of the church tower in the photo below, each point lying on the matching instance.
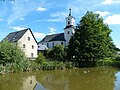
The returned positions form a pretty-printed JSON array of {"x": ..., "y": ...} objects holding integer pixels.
[{"x": 69, "y": 29}]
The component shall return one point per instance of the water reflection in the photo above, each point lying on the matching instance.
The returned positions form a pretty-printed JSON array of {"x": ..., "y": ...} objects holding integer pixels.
[
  {"x": 102, "y": 78},
  {"x": 117, "y": 82}
]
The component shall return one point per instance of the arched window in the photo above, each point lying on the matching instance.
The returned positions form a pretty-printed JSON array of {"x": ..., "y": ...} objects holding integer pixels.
[{"x": 68, "y": 22}]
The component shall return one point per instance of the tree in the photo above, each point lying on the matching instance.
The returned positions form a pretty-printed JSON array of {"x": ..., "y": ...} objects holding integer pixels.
[
  {"x": 91, "y": 40},
  {"x": 57, "y": 53},
  {"x": 11, "y": 53}
]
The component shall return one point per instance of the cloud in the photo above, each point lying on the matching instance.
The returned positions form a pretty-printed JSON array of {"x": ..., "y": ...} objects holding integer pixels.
[
  {"x": 17, "y": 28},
  {"x": 58, "y": 16},
  {"x": 41, "y": 9},
  {"x": 112, "y": 20},
  {"x": 109, "y": 2},
  {"x": 1, "y": 19},
  {"x": 39, "y": 35},
  {"x": 22, "y": 18},
  {"x": 102, "y": 13},
  {"x": 21, "y": 8},
  {"x": 55, "y": 20},
  {"x": 52, "y": 30}
]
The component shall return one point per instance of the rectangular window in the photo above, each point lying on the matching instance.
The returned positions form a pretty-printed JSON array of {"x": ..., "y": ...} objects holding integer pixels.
[
  {"x": 32, "y": 47},
  {"x": 23, "y": 45},
  {"x": 48, "y": 45},
  {"x": 53, "y": 44},
  {"x": 32, "y": 55},
  {"x": 28, "y": 38}
]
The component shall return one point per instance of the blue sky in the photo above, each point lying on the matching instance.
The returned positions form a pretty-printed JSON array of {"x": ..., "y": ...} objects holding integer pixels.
[{"x": 48, "y": 16}]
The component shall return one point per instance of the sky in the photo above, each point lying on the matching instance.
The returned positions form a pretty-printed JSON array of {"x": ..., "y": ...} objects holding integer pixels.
[{"x": 46, "y": 17}]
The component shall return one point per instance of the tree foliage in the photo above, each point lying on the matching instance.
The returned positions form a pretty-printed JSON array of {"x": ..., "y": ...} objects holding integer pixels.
[
  {"x": 92, "y": 39},
  {"x": 57, "y": 53},
  {"x": 10, "y": 53},
  {"x": 41, "y": 59}
]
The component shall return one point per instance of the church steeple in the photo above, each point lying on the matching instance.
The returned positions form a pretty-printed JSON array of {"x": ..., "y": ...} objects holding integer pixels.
[
  {"x": 70, "y": 12},
  {"x": 70, "y": 20},
  {"x": 69, "y": 28}
]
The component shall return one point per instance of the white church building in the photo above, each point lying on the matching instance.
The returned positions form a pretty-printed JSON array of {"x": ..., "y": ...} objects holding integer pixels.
[{"x": 49, "y": 41}]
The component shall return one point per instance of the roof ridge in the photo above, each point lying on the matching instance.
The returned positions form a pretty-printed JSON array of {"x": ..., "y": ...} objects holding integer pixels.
[
  {"x": 20, "y": 30},
  {"x": 54, "y": 34}
]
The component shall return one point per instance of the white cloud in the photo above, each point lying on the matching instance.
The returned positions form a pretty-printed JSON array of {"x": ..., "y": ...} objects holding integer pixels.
[
  {"x": 52, "y": 30},
  {"x": 39, "y": 35},
  {"x": 109, "y": 2},
  {"x": 21, "y": 8},
  {"x": 41, "y": 9},
  {"x": 102, "y": 13},
  {"x": 112, "y": 20},
  {"x": 58, "y": 16},
  {"x": 1, "y": 19},
  {"x": 55, "y": 20},
  {"x": 17, "y": 28},
  {"x": 22, "y": 18}
]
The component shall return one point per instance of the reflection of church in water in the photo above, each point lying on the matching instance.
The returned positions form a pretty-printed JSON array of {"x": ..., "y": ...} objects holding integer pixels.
[
  {"x": 49, "y": 82},
  {"x": 52, "y": 82}
]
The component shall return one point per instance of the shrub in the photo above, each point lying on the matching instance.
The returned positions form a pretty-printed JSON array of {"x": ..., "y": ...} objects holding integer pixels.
[
  {"x": 10, "y": 53},
  {"x": 41, "y": 59}
]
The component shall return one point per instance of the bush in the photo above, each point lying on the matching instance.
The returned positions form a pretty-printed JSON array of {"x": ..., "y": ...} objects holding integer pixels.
[
  {"x": 10, "y": 53},
  {"x": 41, "y": 59},
  {"x": 12, "y": 58},
  {"x": 57, "y": 53}
]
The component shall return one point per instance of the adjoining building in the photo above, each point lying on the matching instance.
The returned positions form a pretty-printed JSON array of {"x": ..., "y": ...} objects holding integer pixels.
[
  {"x": 25, "y": 40},
  {"x": 61, "y": 38}
]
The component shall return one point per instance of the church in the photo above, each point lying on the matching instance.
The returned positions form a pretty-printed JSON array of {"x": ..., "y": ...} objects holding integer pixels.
[{"x": 49, "y": 41}]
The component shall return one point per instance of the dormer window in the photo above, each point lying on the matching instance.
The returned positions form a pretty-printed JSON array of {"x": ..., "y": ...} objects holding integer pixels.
[{"x": 28, "y": 38}]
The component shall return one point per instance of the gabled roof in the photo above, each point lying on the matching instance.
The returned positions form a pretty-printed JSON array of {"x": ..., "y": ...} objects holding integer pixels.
[
  {"x": 53, "y": 37},
  {"x": 15, "y": 36}
]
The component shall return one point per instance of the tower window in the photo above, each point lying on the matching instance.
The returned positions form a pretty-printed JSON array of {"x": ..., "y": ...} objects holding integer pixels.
[
  {"x": 68, "y": 22},
  {"x": 68, "y": 32},
  {"x": 28, "y": 38}
]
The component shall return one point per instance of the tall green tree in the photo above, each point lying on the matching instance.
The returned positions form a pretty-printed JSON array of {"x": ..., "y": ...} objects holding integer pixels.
[{"x": 91, "y": 40}]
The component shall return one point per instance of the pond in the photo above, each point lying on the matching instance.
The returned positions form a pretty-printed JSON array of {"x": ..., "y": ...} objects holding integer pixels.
[{"x": 96, "y": 78}]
